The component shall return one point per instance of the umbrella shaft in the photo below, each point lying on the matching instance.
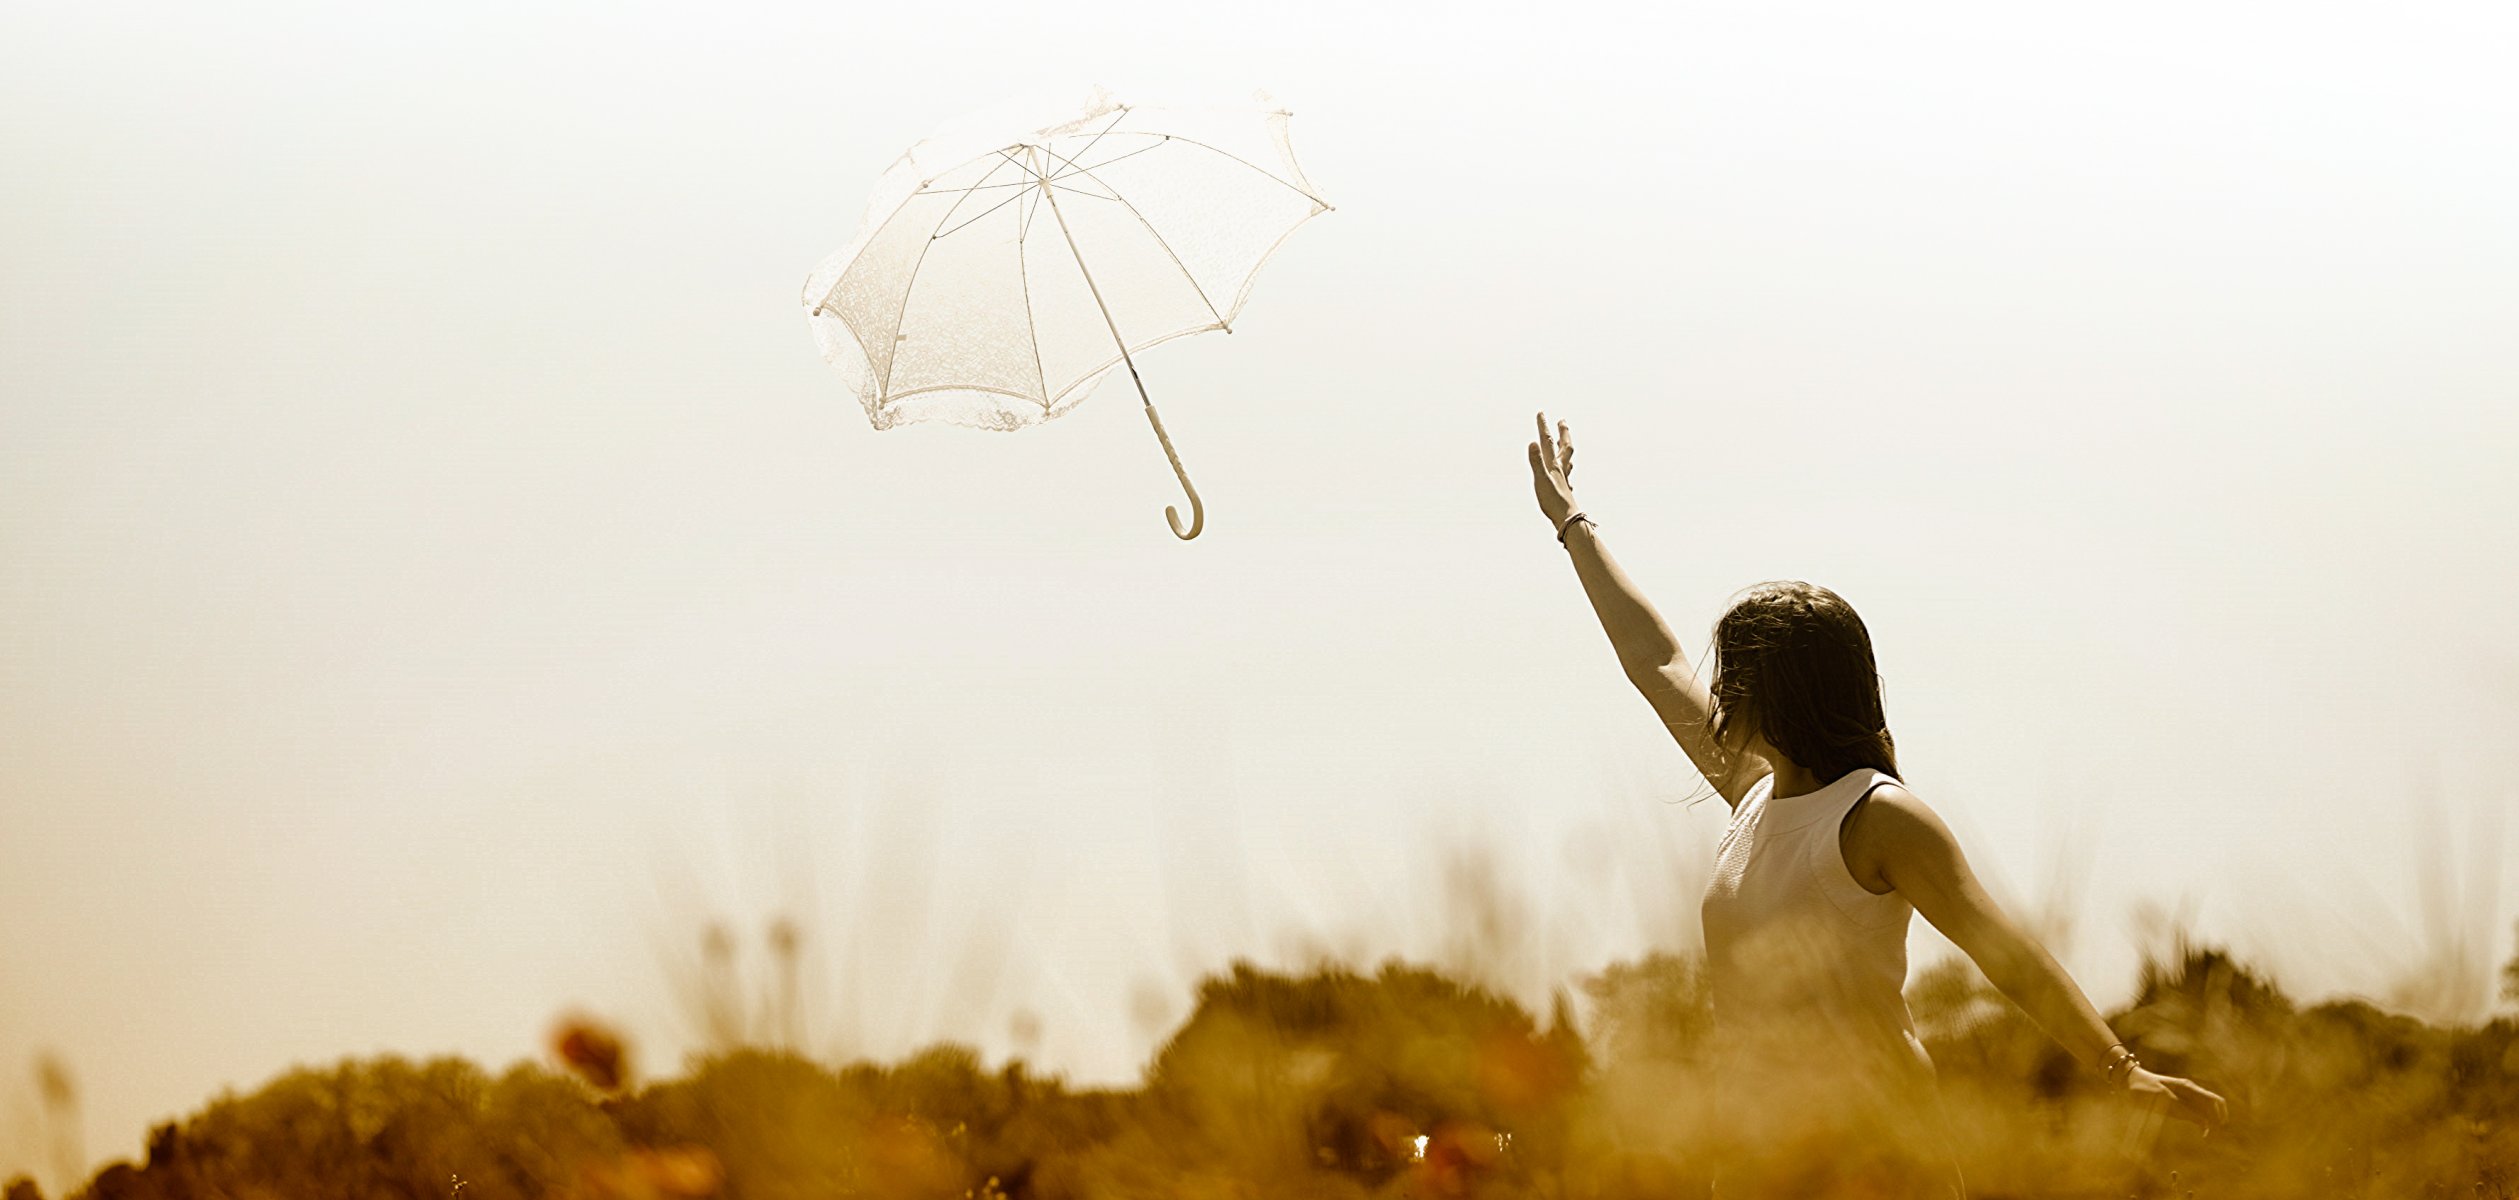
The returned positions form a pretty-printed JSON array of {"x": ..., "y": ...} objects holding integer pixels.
[
  {"x": 1051, "y": 194},
  {"x": 1198, "y": 511}
]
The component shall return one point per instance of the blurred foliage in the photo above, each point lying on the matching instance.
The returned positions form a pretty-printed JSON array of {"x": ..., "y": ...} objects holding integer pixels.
[{"x": 1399, "y": 1083}]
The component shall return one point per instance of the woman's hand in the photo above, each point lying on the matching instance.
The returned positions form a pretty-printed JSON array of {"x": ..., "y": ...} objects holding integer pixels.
[
  {"x": 1552, "y": 465},
  {"x": 2184, "y": 1099}
]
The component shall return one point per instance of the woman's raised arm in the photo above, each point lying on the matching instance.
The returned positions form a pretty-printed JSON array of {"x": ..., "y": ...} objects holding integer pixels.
[{"x": 1650, "y": 655}]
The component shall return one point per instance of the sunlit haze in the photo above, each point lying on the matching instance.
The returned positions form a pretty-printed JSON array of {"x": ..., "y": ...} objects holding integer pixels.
[{"x": 439, "y": 576}]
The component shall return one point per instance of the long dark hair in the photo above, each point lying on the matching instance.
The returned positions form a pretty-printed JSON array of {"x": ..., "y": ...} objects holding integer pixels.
[{"x": 1792, "y": 660}]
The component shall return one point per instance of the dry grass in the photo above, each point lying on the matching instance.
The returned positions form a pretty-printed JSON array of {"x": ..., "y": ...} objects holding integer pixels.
[{"x": 1401, "y": 1081}]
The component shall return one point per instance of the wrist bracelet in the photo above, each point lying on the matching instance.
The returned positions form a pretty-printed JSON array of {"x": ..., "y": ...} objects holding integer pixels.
[
  {"x": 2121, "y": 1064},
  {"x": 1568, "y": 523}
]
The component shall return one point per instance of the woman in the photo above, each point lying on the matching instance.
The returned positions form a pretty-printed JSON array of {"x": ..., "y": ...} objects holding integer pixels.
[{"x": 1826, "y": 857}]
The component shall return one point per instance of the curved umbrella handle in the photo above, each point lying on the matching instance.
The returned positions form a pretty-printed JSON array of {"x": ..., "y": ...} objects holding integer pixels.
[{"x": 1198, "y": 511}]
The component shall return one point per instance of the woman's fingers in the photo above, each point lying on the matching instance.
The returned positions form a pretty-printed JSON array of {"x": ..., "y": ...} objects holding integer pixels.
[
  {"x": 2215, "y": 1109},
  {"x": 1548, "y": 482},
  {"x": 1543, "y": 478},
  {"x": 1556, "y": 448},
  {"x": 2196, "y": 1103}
]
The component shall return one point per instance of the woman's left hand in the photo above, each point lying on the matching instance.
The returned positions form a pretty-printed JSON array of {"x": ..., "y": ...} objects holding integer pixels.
[{"x": 2184, "y": 1099}]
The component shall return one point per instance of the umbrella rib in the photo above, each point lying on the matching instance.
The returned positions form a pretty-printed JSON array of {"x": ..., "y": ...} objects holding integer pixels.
[
  {"x": 824, "y": 304},
  {"x": 1123, "y": 115},
  {"x": 977, "y": 187},
  {"x": 1117, "y": 360},
  {"x": 1158, "y": 237},
  {"x": 1073, "y": 190},
  {"x": 960, "y": 387},
  {"x": 1031, "y": 324},
  {"x": 1248, "y": 163},
  {"x": 891, "y": 352},
  {"x": 1024, "y": 230},
  {"x": 1115, "y": 158},
  {"x": 983, "y": 216},
  {"x": 1020, "y": 165}
]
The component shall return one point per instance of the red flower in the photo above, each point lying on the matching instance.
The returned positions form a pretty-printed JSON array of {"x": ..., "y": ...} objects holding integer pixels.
[{"x": 592, "y": 1051}]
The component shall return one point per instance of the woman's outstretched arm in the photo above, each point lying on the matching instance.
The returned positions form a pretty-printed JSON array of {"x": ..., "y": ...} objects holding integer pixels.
[
  {"x": 1647, "y": 651},
  {"x": 1898, "y": 840}
]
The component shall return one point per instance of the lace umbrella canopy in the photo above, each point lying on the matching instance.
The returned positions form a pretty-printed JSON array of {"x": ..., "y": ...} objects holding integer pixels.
[{"x": 1005, "y": 264}]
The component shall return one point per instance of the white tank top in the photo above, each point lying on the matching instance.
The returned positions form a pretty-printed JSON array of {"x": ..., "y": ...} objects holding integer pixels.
[{"x": 1807, "y": 968}]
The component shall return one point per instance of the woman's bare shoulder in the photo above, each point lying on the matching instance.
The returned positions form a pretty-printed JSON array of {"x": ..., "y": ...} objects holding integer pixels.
[
  {"x": 1892, "y": 822},
  {"x": 1902, "y": 845}
]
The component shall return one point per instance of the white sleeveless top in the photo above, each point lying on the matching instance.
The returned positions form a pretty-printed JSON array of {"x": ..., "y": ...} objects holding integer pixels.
[{"x": 1807, "y": 969}]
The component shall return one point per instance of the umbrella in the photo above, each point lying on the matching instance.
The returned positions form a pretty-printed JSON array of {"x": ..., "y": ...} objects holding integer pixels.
[{"x": 1008, "y": 262}]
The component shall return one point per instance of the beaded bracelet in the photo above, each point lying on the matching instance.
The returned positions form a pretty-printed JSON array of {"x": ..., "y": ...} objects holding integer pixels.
[
  {"x": 2121, "y": 1060},
  {"x": 1568, "y": 523}
]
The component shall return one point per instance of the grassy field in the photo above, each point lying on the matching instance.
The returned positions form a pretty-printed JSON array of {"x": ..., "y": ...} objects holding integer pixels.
[{"x": 1397, "y": 1081}]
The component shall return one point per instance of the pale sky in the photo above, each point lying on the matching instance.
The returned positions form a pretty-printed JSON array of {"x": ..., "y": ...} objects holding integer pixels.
[{"x": 437, "y": 570}]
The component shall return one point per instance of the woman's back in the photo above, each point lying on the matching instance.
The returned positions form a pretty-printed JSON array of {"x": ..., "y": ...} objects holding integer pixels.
[
  {"x": 1815, "y": 1047},
  {"x": 1790, "y": 935}
]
